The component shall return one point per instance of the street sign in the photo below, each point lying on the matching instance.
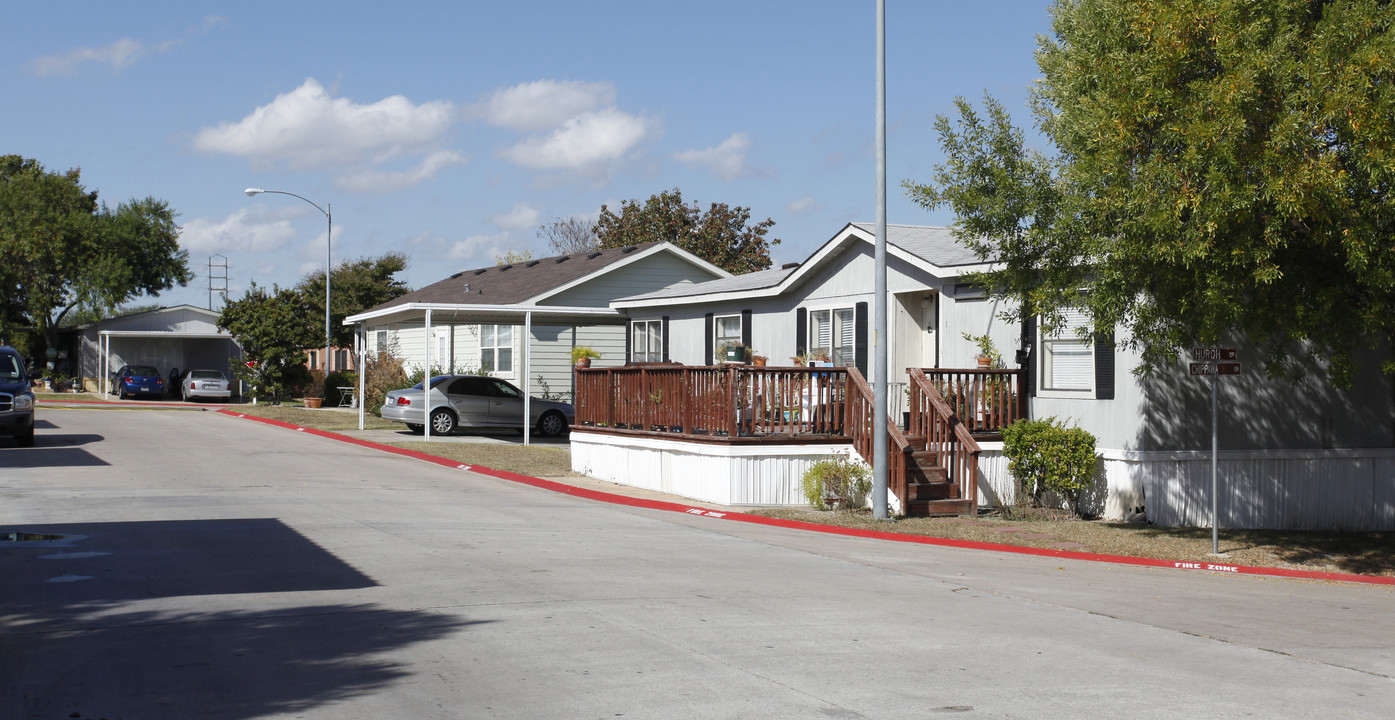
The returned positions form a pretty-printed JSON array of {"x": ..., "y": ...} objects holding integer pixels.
[
  {"x": 253, "y": 365},
  {"x": 1214, "y": 354},
  {"x": 1219, "y": 368}
]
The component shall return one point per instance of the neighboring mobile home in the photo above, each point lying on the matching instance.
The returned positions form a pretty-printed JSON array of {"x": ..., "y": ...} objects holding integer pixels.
[
  {"x": 478, "y": 319},
  {"x": 1293, "y": 456}
]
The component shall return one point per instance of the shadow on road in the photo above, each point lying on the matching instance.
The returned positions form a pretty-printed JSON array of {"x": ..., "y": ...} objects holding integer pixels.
[{"x": 75, "y": 641}]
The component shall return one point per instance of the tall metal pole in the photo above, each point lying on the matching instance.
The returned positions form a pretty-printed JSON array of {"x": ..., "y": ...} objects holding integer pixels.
[
  {"x": 329, "y": 230},
  {"x": 879, "y": 335}
]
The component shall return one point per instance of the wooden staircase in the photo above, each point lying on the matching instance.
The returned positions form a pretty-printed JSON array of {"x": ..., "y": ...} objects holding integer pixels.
[{"x": 932, "y": 473}]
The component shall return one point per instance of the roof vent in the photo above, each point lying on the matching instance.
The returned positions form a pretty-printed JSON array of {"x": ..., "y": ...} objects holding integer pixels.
[
  {"x": 531, "y": 263},
  {"x": 467, "y": 287},
  {"x": 787, "y": 266},
  {"x": 629, "y": 249},
  {"x": 593, "y": 255},
  {"x": 562, "y": 259},
  {"x": 462, "y": 272},
  {"x": 481, "y": 271},
  {"x": 505, "y": 267}
]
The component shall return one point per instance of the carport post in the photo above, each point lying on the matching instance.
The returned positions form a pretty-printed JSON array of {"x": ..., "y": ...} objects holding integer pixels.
[
  {"x": 426, "y": 377},
  {"x": 361, "y": 340},
  {"x": 527, "y": 381}
]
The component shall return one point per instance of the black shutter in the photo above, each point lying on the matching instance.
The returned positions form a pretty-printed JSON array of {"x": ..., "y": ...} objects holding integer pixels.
[
  {"x": 1029, "y": 333},
  {"x": 1104, "y": 366},
  {"x": 665, "y": 339},
  {"x": 707, "y": 342},
  {"x": 860, "y": 337},
  {"x": 801, "y": 331},
  {"x": 746, "y": 328},
  {"x": 629, "y": 330}
]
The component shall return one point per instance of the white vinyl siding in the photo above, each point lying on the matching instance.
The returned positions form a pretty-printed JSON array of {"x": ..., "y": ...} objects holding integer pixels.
[{"x": 1067, "y": 363}]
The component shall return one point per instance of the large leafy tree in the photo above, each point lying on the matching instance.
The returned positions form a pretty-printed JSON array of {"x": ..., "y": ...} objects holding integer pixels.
[
  {"x": 1220, "y": 168},
  {"x": 355, "y": 285},
  {"x": 721, "y": 235},
  {"x": 271, "y": 326},
  {"x": 63, "y": 250}
]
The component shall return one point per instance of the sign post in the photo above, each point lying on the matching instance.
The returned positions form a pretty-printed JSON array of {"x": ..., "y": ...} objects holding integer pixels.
[{"x": 1215, "y": 362}]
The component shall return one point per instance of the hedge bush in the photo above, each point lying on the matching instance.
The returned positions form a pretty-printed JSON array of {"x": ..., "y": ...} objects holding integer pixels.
[{"x": 1046, "y": 455}]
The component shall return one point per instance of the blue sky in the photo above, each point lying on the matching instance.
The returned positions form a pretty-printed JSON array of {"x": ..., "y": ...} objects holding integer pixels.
[{"x": 450, "y": 131}]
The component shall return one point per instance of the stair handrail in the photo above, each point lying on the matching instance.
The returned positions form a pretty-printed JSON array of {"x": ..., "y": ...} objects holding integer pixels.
[
  {"x": 944, "y": 433},
  {"x": 858, "y": 425}
]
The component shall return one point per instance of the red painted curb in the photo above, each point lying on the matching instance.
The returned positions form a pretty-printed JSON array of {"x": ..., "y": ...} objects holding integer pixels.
[{"x": 829, "y": 529}]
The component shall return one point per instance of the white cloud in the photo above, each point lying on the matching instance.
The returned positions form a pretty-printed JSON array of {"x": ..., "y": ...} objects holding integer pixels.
[
  {"x": 726, "y": 161},
  {"x": 391, "y": 180},
  {"x": 803, "y": 206},
  {"x": 588, "y": 143},
  {"x": 479, "y": 245},
  {"x": 521, "y": 217},
  {"x": 241, "y": 231},
  {"x": 307, "y": 128},
  {"x": 119, "y": 55},
  {"x": 542, "y": 105}
]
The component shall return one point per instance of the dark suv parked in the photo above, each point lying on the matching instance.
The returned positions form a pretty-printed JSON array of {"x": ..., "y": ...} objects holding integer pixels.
[{"x": 16, "y": 398}]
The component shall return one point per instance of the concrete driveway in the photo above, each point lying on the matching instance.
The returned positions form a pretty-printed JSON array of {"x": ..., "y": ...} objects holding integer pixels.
[{"x": 216, "y": 567}]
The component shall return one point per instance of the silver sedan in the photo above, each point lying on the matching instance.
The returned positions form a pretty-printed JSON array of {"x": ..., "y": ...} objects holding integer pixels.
[
  {"x": 205, "y": 384},
  {"x": 474, "y": 401}
]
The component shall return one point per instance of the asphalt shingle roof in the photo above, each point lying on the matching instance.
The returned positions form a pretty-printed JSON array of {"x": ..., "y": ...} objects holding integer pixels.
[
  {"x": 936, "y": 245},
  {"x": 515, "y": 283}
]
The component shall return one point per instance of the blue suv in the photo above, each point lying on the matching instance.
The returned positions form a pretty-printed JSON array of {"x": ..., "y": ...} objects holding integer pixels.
[{"x": 16, "y": 398}]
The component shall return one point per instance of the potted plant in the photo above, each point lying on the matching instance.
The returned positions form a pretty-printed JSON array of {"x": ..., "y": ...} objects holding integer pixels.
[
  {"x": 583, "y": 355},
  {"x": 988, "y": 355},
  {"x": 732, "y": 351},
  {"x": 314, "y": 393},
  {"x": 758, "y": 360}
]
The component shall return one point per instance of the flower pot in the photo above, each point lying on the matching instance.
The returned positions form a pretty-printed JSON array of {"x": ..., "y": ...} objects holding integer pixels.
[
  {"x": 313, "y": 402},
  {"x": 984, "y": 362},
  {"x": 583, "y": 363},
  {"x": 736, "y": 354},
  {"x": 759, "y": 361}
]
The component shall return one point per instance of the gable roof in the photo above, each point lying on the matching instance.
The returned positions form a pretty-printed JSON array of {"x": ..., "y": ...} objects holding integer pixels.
[
  {"x": 533, "y": 281},
  {"x": 933, "y": 249}
]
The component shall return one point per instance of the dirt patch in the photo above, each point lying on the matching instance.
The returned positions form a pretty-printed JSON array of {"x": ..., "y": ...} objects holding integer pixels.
[{"x": 1356, "y": 553}]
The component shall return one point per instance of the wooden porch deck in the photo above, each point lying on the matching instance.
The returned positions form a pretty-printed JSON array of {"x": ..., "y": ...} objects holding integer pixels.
[{"x": 932, "y": 464}]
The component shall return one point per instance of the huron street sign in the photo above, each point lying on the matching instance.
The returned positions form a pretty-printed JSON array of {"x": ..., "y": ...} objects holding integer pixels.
[{"x": 1215, "y": 353}]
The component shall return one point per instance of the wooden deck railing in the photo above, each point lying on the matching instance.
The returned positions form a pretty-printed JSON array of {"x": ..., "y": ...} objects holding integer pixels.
[
  {"x": 984, "y": 400},
  {"x": 860, "y": 411},
  {"x": 719, "y": 401},
  {"x": 933, "y": 418}
]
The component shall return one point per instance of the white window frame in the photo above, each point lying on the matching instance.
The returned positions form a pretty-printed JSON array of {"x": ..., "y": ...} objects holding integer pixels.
[
  {"x": 842, "y": 322},
  {"x": 1074, "y": 356},
  {"x": 380, "y": 340},
  {"x": 647, "y": 341},
  {"x": 718, "y": 338},
  {"x": 490, "y": 346}
]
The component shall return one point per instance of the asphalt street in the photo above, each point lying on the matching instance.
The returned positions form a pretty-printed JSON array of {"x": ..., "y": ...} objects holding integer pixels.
[{"x": 213, "y": 567}]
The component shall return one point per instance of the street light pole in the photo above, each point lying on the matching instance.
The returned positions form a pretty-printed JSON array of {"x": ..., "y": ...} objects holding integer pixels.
[{"x": 329, "y": 229}]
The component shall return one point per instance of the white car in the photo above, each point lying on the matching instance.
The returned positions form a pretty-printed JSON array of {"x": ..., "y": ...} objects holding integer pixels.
[{"x": 205, "y": 385}]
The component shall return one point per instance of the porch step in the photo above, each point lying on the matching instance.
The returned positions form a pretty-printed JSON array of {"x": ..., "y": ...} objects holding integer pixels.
[
  {"x": 933, "y": 491},
  {"x": 924, "y": 467},
  {"x": 933, "y": 508}
]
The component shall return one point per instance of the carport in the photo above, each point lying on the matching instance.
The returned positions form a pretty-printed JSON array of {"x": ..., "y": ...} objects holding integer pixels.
[
  {"x": 207, "y": 346},
  {"x": 430, "y": 315}
]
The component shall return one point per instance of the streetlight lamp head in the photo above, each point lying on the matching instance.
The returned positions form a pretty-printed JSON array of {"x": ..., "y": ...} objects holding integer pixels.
[{"x": 253, "y": 191}]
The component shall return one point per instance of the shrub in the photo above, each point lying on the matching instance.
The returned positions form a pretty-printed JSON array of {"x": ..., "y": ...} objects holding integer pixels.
[
  {"x": 1046, "y": 455},
  {"x": 840, "y": 481},
  {"x": 382, "y": 374},
  {"x": 336, "y": 380}
]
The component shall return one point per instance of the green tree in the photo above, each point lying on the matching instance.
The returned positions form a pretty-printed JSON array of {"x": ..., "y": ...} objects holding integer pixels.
[
  {"x": 271, "y": 327},
  {"x": 1222, "y": 168},
  {"x": 355, "y": 286},
  {"x": 720, "y": 236},
  {"x": 63, "y": 250}
]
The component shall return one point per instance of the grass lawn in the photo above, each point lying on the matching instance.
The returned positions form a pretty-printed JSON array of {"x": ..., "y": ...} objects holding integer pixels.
[
  {"x": 322, "y": 419},
  {"x": 533, "y": 460}
]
